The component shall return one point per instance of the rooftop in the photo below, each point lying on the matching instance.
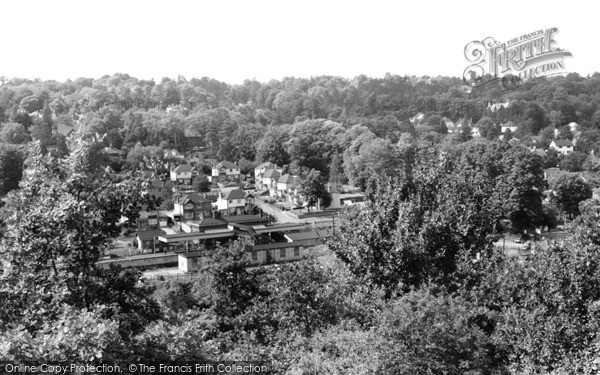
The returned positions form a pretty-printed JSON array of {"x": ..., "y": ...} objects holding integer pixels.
[
  {"x": 272, "y": 173},
  {"x": 227, "y": 165},
  {"x": 234, "y": 194},
  {"x": 183, "y": 168},
  {"x": 267, "y": 165}
]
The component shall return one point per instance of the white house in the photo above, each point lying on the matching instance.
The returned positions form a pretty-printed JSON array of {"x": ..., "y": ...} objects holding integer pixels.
[
  {"x": 508, "y": 126},
  {"x": 232, "y": 202},
  {"x": 287, "y": 184},
  {"x": 182, "y": 174},
  {"x": 562, "y": 146},
  {"x": 270, "y": 179},
  {"x": 225, "y": 171},
  {"x": 260, "y": 171}
]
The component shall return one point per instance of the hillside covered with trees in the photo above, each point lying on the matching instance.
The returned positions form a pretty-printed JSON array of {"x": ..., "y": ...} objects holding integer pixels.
[{"x": 410, "y": 283}]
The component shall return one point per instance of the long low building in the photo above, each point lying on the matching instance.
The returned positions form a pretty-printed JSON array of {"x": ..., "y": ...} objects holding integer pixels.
[
  {"x": 193, "y": 239},
  {"x": 280, "y": 252}
]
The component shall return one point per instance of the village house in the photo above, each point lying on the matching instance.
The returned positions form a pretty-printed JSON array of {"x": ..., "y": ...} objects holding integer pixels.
[
  {"x": 158, "y": 188},
  {"x": 509, "y": 125},
  {"x": 260, "y": 171},
  {"x": 182, "y": 174},
  {"x": 270, "y": 179},
  {"x": 66, "y": 129},
  {"x": 192, "y": 207},
  {"x": 451, "y": 126},
  {"x": 226, "y": 171},
  {"x": 287, "y": 185},
  {"x": 562, "y": 146},
  {"x": 151, "y": 219},
  {"x": 174, "y": 154},
  {"x": 232, "y": 202},
  {"x": 148, "y": 239}
]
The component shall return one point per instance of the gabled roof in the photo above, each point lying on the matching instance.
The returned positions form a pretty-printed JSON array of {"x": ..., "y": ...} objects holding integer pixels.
[
  {"x": 192, "y": 197},
  {"x": 563, "y": 143},
  {"x": 65, "y": 129},
  {"x": 267, "y": 165},
  {"x": 234, "y": 194},
  {"x": 271, "y": 173},
  {"x": 287, "y": 179},
  {"x": 210, "y": 222},
  {"x": 227, "y": 165},
  {"x": 183, "y": 168}
]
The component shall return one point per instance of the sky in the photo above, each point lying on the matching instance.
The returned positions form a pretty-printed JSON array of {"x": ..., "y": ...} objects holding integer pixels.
[{"x": 236, "y": 40}]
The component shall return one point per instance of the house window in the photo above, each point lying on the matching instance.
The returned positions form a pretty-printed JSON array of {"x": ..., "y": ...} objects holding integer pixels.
[
  {"x": 254, "y": 255},
  {"x": 239, "y": 201},
  {"x": 297, "y": 251},
  {"x": 152, "y": 222},
  {"x": 282, "y": 253},
  {"x": 230, "y": 202},
  {"x": 189, "y": 215}
]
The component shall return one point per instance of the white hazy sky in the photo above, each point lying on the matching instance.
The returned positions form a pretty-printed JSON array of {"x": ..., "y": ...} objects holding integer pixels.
[{"x": 236, "y": 40}]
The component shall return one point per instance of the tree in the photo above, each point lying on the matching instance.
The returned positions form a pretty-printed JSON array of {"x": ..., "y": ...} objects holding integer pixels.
[
  {"x": 14, "y": 133},
  {"x": 570, "y": 191},
  {"x": 573, "y": 162},
  {"x": 436, "y": 122},
  {"x": 271, "y": 148},
  {"x": 487, "y": 128},
  {"x": 336, "y": 172},
  {"x": 312, "y": 187},
  {"x": 234, "y": 286},
  {"x": 11, "y": 168},
  {"x": 420, "y": 229},
  {"x": 313, "y": 143},
  {"x": 57, "y": 225}
]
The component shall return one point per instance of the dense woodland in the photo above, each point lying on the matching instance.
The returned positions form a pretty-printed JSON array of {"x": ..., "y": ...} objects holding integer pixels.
[
  {"x": 302, "y": 123},
  {"x": 410, "y": 284}
]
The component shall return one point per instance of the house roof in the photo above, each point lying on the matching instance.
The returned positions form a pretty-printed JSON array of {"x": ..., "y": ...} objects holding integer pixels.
[
  {"x": 540, "y": 152},
  {"x": 183, "y": 168},
  {"x": 272, "y": 173},
  {"x": 193, "y": 197},
  {"x": 234, "y": 194},
  {"x": 149, "y": 234},
  {"x": 563, "y": 143},
  {"x": 287, "y": 179},
  {"x": 227, "y": 165},
  {"x": 267, "y": 165},
  {"x": 65, "y": 129},
  {"x": 209, "y": 222}
]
